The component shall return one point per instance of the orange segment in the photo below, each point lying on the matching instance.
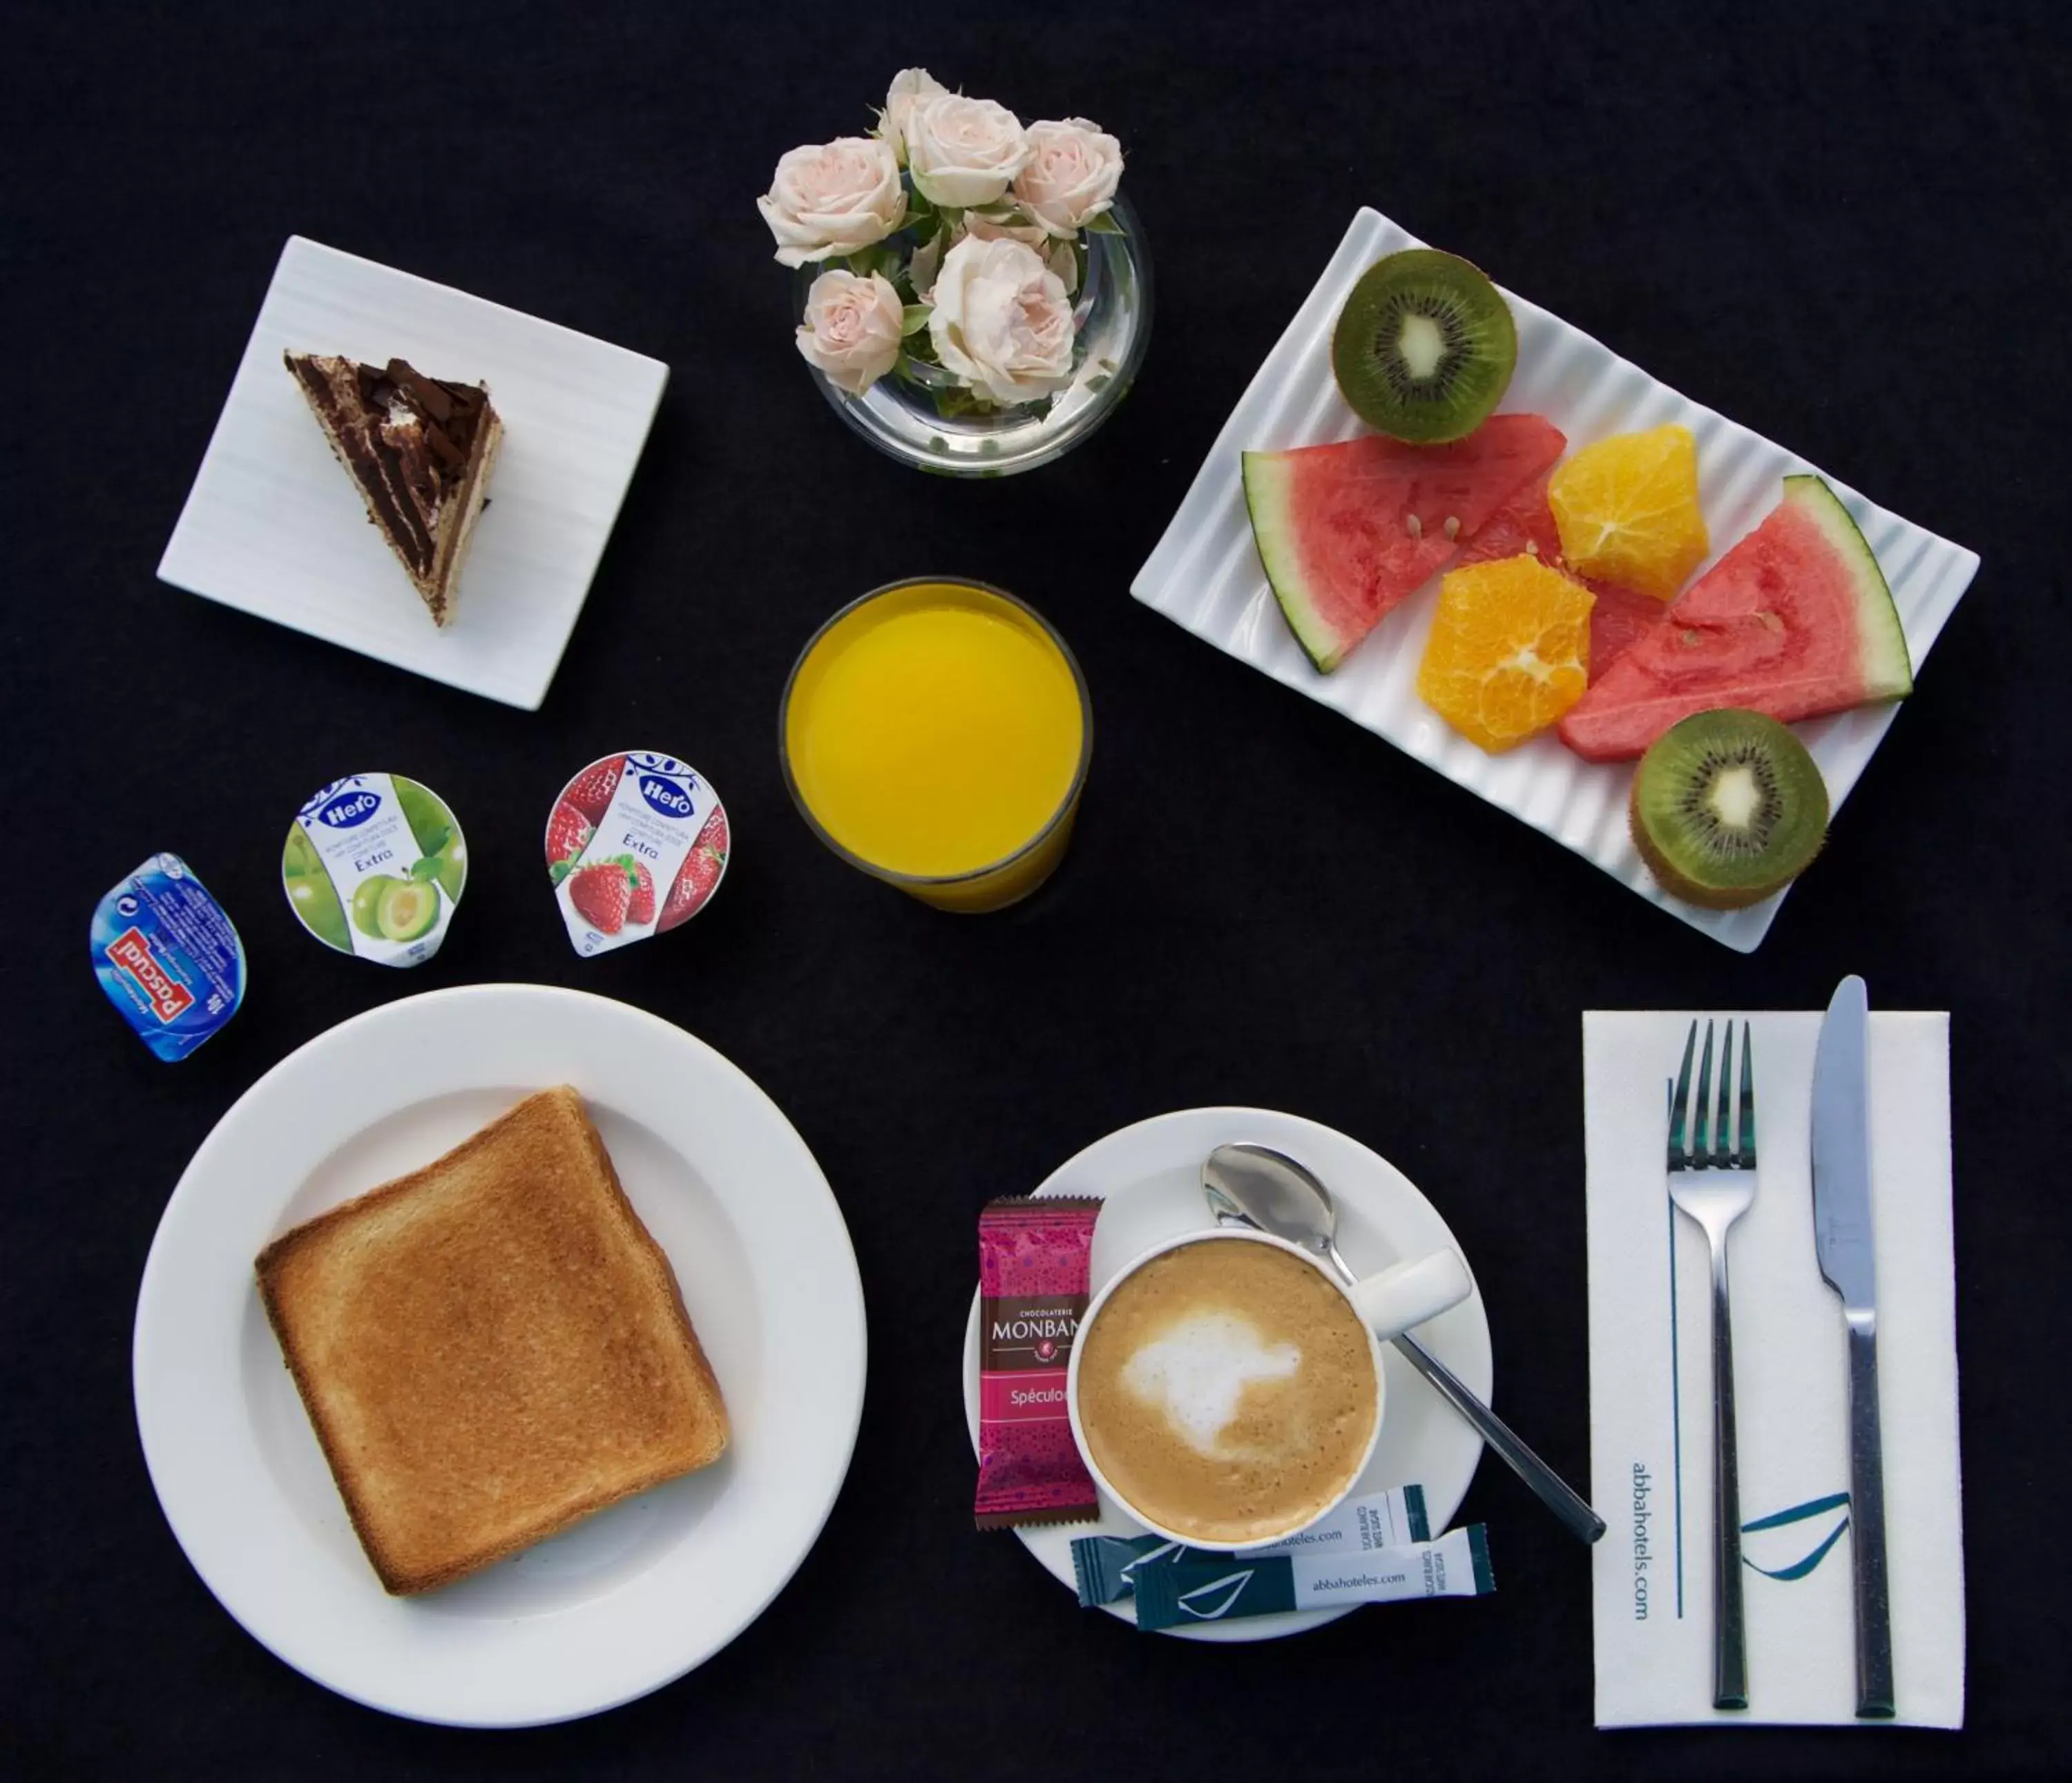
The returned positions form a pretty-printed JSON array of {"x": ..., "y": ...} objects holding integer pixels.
[
  {"x": 1627, "y": 509},
  {"x": 1508, "y": 650}
]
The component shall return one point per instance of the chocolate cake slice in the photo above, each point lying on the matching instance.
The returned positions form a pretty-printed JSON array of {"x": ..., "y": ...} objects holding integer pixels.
[{"x": 421, "y": 450}]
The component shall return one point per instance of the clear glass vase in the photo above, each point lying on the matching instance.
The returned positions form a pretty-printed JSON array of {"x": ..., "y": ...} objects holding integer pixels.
[{"x": 901, "y": 418}]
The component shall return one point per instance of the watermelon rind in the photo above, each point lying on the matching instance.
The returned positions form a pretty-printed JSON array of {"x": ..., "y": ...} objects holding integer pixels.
[
  {"x": 1887, "y": 669},
  {"x": 1267, "y": 477}
]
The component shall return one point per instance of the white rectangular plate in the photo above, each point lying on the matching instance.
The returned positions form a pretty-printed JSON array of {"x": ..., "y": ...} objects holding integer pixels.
[
  {"x": 1205, "y": 575},
  {"x": 273, "y": 525}
]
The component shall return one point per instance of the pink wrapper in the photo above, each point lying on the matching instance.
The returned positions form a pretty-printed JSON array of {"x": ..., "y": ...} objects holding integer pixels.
[{"x": 1032, "y": 1269}]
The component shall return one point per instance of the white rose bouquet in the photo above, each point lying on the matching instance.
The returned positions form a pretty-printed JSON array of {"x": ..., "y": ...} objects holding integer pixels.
[{"x": 952, "y": 243}]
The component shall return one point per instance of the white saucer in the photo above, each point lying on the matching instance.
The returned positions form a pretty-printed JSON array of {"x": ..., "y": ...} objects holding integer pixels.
[
  {"x": 1149, "y": 1176},
  {"x": 637, "y": 1595}
]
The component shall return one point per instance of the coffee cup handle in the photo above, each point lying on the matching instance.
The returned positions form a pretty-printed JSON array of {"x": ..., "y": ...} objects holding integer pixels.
[{"x": 1408, "y": 1294}]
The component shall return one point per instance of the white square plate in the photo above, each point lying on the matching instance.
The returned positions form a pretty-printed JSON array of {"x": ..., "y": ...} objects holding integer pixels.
[
  {"x": 273, "y": 525},
  {"x": 1205, "y": 575}
]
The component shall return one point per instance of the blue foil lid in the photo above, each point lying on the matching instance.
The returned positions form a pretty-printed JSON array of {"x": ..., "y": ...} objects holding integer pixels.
[{"x": 167, "y": 957}]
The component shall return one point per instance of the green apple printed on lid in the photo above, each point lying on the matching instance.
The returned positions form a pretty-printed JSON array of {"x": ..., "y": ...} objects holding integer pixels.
[{"x": 375, "y": 864}]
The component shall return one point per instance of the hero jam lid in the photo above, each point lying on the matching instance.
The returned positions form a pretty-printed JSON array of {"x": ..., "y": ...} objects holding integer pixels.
[
  {"x": 375, "y": 864},
  {"x": 167, "y": 956},
  {"x": 636, "y": 843}
]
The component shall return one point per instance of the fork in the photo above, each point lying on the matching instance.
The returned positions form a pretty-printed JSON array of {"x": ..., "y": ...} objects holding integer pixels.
[{"x": 1713, "y": 1182}]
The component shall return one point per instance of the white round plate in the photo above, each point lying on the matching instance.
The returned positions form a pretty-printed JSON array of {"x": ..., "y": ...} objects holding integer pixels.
[
  {"x": 634, "y": 1597},
  {"x": 1149, "y": 1176}
]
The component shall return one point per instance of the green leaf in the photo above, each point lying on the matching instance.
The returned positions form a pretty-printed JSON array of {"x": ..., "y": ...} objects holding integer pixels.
[
  {"x": 560, "y": 869},
  {"x": 877, "y": 258},
  {"x": 957, "y": 401},
  {"x": 915, "y": 320},
  {"x": 423, "y": 869},
  {"x": 1104, "y": 224}
]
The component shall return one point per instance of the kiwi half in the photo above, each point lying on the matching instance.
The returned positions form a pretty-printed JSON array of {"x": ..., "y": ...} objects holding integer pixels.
[
  {"x": 1728, "y": 807},
  {"x": 1425, "y": 346}
]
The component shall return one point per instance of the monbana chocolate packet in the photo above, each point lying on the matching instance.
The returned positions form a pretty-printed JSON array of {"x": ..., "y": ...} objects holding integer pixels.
[{"x": 1032, "y": 1267}]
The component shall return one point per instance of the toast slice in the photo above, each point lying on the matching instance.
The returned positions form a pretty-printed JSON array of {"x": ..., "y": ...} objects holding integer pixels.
[{"x": 490, "y": 1348}]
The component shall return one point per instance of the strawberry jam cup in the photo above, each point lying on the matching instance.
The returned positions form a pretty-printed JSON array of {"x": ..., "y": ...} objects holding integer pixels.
[
  {"x": 636, "y": 843},
  {"x": 935, "y": 733}
]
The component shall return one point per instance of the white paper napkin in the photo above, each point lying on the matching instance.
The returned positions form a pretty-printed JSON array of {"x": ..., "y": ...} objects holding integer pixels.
[{"x": 1651, "y": 1421}]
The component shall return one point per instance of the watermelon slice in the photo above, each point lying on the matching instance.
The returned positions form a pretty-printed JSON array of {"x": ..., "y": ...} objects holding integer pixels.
[
  {"x": 1347, "y": 532},
  {"x": 1524, "y": 524},
  {"x": 1619, "y": 621},
  {"x": 1796, "y": 620}
]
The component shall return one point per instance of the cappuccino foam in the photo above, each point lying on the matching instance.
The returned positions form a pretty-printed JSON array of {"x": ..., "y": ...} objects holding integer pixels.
[
  {"x": 1197, "y": 1372},
  {"x": 1227, "y": 1390}
]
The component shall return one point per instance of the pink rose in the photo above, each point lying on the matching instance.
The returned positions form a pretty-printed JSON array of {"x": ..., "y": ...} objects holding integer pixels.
[
  {"x": 963, "y": 151},
  {"x": 909, "y": 88},
  {"x": 1033, "y": 234},
  {"x": 1002, "y": 324},
  {"x": 1070, "y": 175},
  {"x": 852, "y": 329},
  {"x": 834, "y": 200}
]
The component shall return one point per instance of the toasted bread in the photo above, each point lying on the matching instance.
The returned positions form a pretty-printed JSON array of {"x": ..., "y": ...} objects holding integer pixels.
[{"x": 490, "y": 1348}]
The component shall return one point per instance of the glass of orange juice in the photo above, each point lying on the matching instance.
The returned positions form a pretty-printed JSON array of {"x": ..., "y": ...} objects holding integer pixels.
[{"x": 936, "y": 734}]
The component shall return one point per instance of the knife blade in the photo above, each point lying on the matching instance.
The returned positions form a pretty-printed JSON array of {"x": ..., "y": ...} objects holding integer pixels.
[
  {"x": 1842, "y": 1242},
  {"x": 1841, "y": 1150}
]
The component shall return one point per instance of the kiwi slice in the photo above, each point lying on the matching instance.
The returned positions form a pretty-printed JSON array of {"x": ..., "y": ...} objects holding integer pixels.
[
  {"x": 1425, "y": 346},
  {"x": 1728, "y": 807}
]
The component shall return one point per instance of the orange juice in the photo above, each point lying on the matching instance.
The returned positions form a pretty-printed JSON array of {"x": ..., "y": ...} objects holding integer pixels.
[{"x": 936, "y": 734}]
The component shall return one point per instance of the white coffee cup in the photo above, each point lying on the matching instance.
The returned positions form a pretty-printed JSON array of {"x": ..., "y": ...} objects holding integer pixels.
[{"x": 1387, "y": 1303}]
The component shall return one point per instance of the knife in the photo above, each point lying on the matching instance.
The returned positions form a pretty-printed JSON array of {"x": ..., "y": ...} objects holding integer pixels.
[{"x": 1842, "y": 1242}]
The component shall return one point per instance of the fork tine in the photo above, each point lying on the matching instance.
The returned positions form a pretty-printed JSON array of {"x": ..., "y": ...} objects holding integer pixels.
[
  {"x": 1680, "y": 1104},
  {"x": 1744, "y": 1157},
  {"x": 1702, "y": 1150},
  {"x": 1723, "y": 1157}
]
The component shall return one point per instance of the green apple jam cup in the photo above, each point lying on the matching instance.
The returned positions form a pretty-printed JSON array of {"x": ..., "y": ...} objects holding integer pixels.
[{"x": 375, "y": 866}]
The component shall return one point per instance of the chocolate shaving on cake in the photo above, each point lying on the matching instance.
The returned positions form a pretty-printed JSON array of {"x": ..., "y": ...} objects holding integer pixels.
[{"x": 420, "y": 448}]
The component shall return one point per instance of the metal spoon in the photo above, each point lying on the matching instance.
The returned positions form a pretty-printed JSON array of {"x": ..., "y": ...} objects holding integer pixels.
[{"x": 1254, "y": 1185}]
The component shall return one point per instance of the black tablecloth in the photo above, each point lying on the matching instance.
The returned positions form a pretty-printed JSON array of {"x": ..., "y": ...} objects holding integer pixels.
[{"x": 1844, "y": 227}]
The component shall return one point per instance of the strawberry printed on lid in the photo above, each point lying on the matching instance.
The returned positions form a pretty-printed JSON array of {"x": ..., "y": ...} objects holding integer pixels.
[
  {"x": 602, "y": 894},
  {"x": 568, "y": 832},
  {"x": 640, "y": 907},
  {"x": 635, "y": 844},
  {"x": 590, "y": 792},
  {"x": 701, "y": 874}
]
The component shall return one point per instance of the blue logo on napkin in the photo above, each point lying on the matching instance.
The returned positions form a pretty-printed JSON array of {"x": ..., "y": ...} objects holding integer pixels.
[
  {"x": 1799, "y": 1514},
  {"x": 1779, "y": 1519}
]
